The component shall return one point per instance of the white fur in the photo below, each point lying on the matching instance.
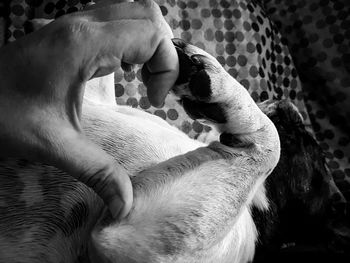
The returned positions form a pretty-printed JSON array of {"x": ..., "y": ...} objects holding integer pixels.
[
  {"x": 165, "y": 206},
  {"x": 191, "y": 199}
]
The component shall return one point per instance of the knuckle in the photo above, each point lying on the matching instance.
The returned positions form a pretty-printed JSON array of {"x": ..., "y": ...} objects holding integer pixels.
[
  {"x": 71, "y": 30},
  {"x": 146, "y": 3},
  {"x": 155, "y": 16},
  {"x": 79, "y": 27},
  {"x": 152, "y": 9}
]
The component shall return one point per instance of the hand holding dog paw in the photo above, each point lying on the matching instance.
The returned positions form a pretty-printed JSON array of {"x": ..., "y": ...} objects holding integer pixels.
[{"x": 42, "y": 81}]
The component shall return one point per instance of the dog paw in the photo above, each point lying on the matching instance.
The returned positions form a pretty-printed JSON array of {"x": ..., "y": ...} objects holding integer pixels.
[
  {"x": 211, "y": 95},
  {"x": 202, "y": 84}
]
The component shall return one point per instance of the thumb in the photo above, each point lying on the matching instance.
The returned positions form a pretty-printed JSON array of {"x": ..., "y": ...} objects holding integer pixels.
[{"x": 72, "y": 152}]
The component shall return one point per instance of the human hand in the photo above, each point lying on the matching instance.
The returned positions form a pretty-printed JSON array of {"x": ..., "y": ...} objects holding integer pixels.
[{"x": 43, "y": 77}]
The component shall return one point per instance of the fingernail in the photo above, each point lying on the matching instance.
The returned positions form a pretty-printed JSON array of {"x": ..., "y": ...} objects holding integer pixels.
[
  {"x": 160, "y": 104},
  {"x": 90, "y": 3},
  {"x": 127, "y": 67},
  {"x": 157, "y": 102},
  {"x": 116, "y": 207}
]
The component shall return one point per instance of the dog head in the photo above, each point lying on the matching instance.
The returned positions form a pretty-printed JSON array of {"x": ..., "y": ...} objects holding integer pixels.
[{"x": 300, "y": 189}]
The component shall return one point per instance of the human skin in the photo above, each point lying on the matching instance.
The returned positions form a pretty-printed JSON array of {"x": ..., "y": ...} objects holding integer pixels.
[{"x": 42, "y": 82}]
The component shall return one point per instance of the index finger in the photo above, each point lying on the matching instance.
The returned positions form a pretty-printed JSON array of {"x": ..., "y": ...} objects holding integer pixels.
[
  {"x": 160, "y": 72},
  {"x": 116, "y": 10},
  {"x": 93, "y": 5}
]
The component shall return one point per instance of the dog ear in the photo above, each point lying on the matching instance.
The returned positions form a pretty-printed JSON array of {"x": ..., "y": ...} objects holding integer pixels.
[
  {"x": 302, "y": 153},
  {"x": 285, "y": 113}
]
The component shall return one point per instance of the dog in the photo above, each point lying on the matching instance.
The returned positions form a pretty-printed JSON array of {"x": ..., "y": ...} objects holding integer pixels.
[
  {"x": 192, "y": 200},
  {"x": 287, "y": 208},
  {"x": 297, "y": 226}
]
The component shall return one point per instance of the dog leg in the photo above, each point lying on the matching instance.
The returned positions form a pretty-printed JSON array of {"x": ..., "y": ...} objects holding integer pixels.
[{"x": 195, "y": 207}]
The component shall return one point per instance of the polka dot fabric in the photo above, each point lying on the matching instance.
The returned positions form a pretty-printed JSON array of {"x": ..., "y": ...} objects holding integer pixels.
[
  {"x": 257, "y": 42},
  {"x": 235, "y": 34},
  {"x": 238, "y": 33},
  {"x": 318, "y": 35}
]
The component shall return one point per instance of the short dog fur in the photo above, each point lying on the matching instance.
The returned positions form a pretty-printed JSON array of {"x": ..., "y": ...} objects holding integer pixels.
[{"x": 192, "y": 201}]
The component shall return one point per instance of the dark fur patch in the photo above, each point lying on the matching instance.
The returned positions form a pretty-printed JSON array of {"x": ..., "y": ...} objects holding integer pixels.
[
  {"x": 55, "y": 217},
  {"x": 297, "y": 189},
  {"x": 200, "y": 110},
  {"x": 200, "y": 85},
  {"x": 190, "y": 66},
  {"x": 172, "y": 241},
  {"x": 186, "y": 65},
  {"x": 230, "y": 140}
]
